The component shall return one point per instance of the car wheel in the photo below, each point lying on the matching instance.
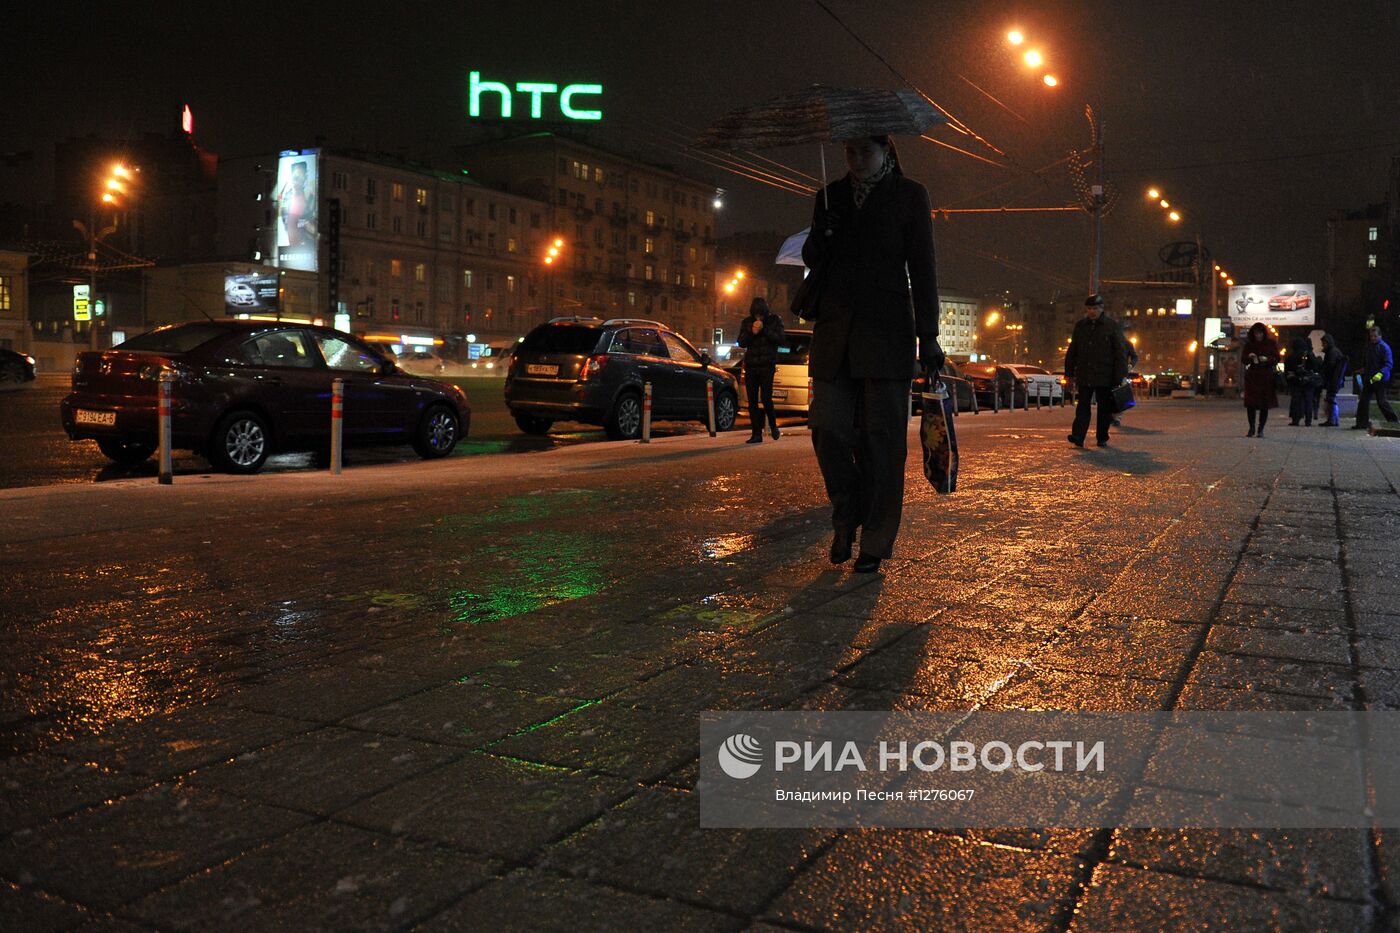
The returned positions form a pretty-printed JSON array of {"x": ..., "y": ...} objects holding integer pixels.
[
  {"x": 129, "y": 453},
  {"x": 532, "y": 425},
  {"x": 436, "y": 434},
  {"x": 624, "y": 421},
  {"x": 11, "y": 374},
  {"x": 726, "y": 410},
  {"x": 241, "y": 443}
]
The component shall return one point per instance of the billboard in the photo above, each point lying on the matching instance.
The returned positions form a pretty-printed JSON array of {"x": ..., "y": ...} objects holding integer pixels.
[
  {"x": 250, "y": 293},
  {"x": 298, "y": 221},
  {"x": 1278, "y": 305}
]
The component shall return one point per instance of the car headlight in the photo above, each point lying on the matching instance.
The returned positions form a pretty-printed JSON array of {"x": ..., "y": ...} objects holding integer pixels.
[{"x": 31, "y": 361}]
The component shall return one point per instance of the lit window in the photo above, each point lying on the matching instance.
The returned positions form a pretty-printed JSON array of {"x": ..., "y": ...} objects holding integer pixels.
[
  {"x": 650, "y": 246},
  {"x": 510, "y": 284},
  {"x": 5, "y": 292},
  {"x": 395, "y": 268},
  {"x": 466, "y": 278},
  {"x": 647, "y": 273},
  {"x": 397, "y": 191},
  {"x": 651, "y": 218},
  {"x": 1371, "y": 261},
  {"x": 1373, "y": 234},
  {"x": 422, "y": 197},
  {"x": 420, "y": 273},
  {"x": 511, "y": 245}
]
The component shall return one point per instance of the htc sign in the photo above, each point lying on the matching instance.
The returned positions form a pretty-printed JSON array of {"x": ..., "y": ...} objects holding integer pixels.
[{"x": 536, "y": 92}]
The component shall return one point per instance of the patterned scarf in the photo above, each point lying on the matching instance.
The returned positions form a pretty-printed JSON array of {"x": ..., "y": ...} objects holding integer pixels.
[{"x": 860, "y": 189}]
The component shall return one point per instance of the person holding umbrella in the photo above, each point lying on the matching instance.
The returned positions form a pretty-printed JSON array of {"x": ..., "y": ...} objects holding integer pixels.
[
  {"x": 760, "y": 334},
  {"x": 872, "y": 243}
]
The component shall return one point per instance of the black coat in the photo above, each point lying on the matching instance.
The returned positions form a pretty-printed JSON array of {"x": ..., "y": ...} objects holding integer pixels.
[
  {"x": 760, "y": 349},
  {"x": 1097, "y": 354},
  {"x": 880, "y": 287}
]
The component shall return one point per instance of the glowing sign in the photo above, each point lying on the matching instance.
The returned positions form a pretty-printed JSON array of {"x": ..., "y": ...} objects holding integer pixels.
[
  {"x": 537, "y": 90},
  {"x": 81, "y": 309}
]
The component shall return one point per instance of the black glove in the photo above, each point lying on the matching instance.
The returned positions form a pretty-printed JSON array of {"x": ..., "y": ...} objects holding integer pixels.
[{"x": 931, "y": 355}]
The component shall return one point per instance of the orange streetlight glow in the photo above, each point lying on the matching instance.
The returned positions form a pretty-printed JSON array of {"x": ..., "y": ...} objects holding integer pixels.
[
  {"x": 1174, "y": 216},
  {"x": 1051, "y": 80},
  {"x": 1229, "y": 281},
  {"x": 1034, "y": 59},
  {"x": 120, "y": 171},
  {"x": 107, "y": 198},
  {"x": 559, "y": 243},
  {"x": 1153, "y": 193},
  {"x": 1165, "y": 203},
  {"x": 1015, "y": 37}
]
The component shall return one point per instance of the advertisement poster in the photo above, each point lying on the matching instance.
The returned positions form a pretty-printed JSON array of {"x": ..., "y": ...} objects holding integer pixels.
[
  {"x": 1279, "y": 305},
  {"x": 295, "y": 195},
  {"x": 250, "y": 293}
]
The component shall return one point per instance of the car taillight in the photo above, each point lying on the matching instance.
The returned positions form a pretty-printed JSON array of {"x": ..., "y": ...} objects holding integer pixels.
[{"x": 592, "y": 366}]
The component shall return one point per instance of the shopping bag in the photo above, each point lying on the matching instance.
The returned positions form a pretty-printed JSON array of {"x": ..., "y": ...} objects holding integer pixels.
[
  {"x": 938, "y": 438},
  {"x": 1123, "y": 397}
]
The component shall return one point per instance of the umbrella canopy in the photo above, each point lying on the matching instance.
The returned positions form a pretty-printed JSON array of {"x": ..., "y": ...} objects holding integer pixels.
[
  {"x": 822, "y": 113},
  {"x": 791, "y": 252}
]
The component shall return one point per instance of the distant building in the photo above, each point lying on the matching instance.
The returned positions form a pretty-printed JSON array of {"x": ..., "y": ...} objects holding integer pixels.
[
  {"x": 1363, "y": 265},
  {"x": 638, "y": 238},
  {"x": 958, "y": 320},
  {"x": 14, "y": 300}
]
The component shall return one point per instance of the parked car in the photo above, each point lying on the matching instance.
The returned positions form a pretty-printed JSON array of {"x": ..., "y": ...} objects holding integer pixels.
[
  {"x": 1039, "y": 384},
  {"x": 15, "y": 367},
  {"x": 959, "y": 388},
  {"x": 246, "y": 389},
  {"x": 1291, "y": 300},
  {"x": 591, "y": 370},
  {"x": 1002, "y": 380},
  {"x": 240, "y": 295},
  {"x": 790, "y": 377}
]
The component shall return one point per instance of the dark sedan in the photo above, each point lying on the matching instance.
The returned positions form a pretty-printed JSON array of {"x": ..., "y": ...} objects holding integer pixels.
[
  {"x": 246, "y": 389},
  {"x": 15, "y": 367}
]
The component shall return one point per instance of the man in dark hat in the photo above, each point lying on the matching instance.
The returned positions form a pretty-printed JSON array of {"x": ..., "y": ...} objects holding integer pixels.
[{"x": 1097, "y": 360}]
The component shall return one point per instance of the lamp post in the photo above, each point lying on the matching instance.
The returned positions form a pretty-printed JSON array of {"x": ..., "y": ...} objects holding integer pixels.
[
  {"x": 556, "y": 248},
  {"x": 114, "y": 190}
]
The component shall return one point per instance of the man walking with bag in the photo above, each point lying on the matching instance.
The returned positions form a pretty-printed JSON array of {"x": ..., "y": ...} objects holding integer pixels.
[
  {"x": 1097, "y": 360},
  {"x": 1375, "y": 379}
]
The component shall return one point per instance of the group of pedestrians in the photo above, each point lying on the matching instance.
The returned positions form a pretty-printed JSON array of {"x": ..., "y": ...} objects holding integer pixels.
[{"x": 1314, "y": 380}]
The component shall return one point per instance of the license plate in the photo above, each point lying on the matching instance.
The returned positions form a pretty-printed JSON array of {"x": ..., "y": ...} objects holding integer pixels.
[
  {"x": 109, "y": 418},
  {"x": 540, "y": 369},
  {"x": 779, "y": 395}
]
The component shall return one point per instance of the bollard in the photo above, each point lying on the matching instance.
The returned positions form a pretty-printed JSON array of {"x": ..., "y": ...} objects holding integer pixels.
[
  {"x": 710, "y": 405},
  {"x": 167, "y": 380},
  {"x": 646, "y": 413},
  {"x": 337, "y": 423},
  {"x": 996, "y": 398}
]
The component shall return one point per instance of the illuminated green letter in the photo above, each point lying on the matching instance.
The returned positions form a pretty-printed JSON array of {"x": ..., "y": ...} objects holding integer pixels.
[
  {"x": 478, "y": 86},
  {"x": 568, "y": 94},
  {"x": 536, "y": 92}
]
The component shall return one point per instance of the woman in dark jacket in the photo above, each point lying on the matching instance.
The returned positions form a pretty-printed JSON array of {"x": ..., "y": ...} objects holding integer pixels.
[
  {"x": 1259, "y": 357},
  {"x": 760, "y": 334},
  {"x": 1334, "y": 372},
  {"x": 872, "y": 244},
  {"x": 1303, "y": 381}
]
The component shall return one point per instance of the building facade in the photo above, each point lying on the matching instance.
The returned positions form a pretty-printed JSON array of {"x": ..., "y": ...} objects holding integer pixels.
[
  {"x": 638, "y": 239},
  {"x": 14, "y": 300}
]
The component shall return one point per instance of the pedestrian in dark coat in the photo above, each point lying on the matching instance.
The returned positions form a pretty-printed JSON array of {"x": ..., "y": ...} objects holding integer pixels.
[
  {"x": 760, "y": 334},
  {"x": 1259, "y": 356},
  {"x": 1334, "y": 373},
  {"x": 1304, "y": 378},
  {"x": 1376, "y": 368},
  {"x": 872, "y": 243},
  {"x": 1097, "y": 360}
]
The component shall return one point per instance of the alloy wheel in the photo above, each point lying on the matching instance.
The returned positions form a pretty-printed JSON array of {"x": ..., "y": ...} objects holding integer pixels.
[{"x": 244, "y": 442}]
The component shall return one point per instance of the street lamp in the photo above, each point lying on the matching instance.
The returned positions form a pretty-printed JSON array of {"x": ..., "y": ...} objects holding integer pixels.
[
  {"x": 553, "y": 253},
  {"x": 113, "y": 191}
]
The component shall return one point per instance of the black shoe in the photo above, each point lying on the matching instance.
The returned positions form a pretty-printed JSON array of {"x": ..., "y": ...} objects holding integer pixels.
[
  {"x": 1360, "y": 427},
  {"x": 1076, "y": 441},
  {"x": 867, "y": 564},
  {"x": 1102, "y": 442},
  {"x": 841, "y": 543},
  {"x": 1292, "y": 424},
  {"x": 775, "y": 432},
  {"x": 1259, "y": 433},
  {"x": 755, "y": 439},
  {"x": 1251, "y": 433}
]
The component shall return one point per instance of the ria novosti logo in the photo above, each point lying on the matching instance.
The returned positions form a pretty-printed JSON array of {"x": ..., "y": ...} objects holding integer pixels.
[{"x": 740, "y": 756}]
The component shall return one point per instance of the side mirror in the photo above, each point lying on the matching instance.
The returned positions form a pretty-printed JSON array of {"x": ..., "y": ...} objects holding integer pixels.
[{"x": 705, "y": 359}]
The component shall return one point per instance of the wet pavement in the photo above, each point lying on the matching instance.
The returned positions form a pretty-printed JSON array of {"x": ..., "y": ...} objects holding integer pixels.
[{"x": 447, "y": 695}]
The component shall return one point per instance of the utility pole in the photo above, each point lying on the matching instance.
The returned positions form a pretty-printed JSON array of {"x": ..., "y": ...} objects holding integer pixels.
[{"x": 1100, "y": 199}]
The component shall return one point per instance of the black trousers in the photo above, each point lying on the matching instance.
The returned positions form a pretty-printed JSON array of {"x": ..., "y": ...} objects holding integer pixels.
[
  {"x": 1302, "y": 404},
  {"x": 758, "y": 383},
  {"x": 860, "y": 432},
  {"x": 1369, "y": 391},
  {"x": 1087, "y": 397}
]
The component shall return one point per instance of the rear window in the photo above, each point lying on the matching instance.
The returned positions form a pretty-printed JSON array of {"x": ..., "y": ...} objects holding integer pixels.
[
  {"x": 182, "y": 338},
  {"x": 561, "y": 338},
  {"x": 794, "y": 349}
]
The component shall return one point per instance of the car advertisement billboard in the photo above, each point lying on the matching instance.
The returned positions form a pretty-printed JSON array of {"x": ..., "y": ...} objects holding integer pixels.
[
  {"x": 1278, "y": 305},
  {"x": 297, "y": 203},
  {"x": 250, "y": 293}
]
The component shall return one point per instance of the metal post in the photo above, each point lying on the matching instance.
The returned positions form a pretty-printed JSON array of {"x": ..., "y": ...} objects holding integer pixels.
[
  {"x": 337, "y": 423},
  {"x": 996, "y": 395},
  {"x": 646, "y": 413},
  {"x": 167, "y": 380},
  {"x": 709, "y": 404}
]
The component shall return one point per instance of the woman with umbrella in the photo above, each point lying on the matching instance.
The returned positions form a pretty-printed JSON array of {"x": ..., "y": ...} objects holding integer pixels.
[
  {"x": 872, "y": 245},
  {"x": 1259, "y": 356}
]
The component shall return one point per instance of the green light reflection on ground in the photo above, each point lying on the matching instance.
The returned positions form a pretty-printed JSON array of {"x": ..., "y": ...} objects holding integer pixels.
[{"x": 539, "y": 570}]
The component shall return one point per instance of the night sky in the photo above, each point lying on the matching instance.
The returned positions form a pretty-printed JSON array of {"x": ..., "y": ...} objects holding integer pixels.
[{"x": 1256, "y": 119}]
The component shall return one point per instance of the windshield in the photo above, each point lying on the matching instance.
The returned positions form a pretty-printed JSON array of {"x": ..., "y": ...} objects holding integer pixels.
[
  {"x": 561, "y": 338},
  {"x": 794, "y": 349},
  {"x": 178, "y": 338}
]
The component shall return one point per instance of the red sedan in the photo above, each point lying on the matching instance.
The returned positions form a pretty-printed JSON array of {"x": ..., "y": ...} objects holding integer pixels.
[{"x": 1294, "y": 300}]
